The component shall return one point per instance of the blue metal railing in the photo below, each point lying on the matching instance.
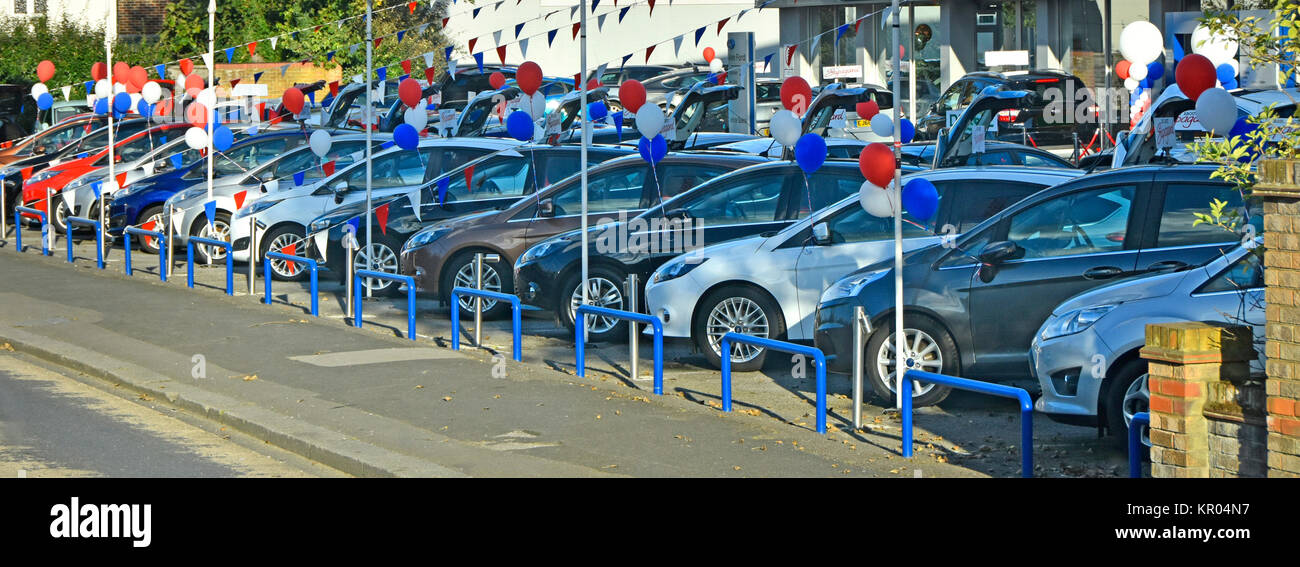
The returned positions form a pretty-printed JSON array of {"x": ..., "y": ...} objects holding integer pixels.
[
  {"x": 18, "y": 228},
  {"x": 162, "y": 249},
  {"x": 581, "y": 340},
  {"x": 1018, "y": 394},
  {"x": 266, "y": 277},
  {"x": 99, "y": 238},
  {"x": 1135, "y": 443},
  {"x": 230, "y": 261},
  {"x": 516, "y": 322},
  {"x": 819, "y": 361},
  {"x": 410, "y": 296}
]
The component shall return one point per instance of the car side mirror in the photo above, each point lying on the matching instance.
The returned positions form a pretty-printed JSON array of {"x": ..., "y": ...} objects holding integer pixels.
[
  {"x": 546, "y": 208},
  {"x": 678, "y": 214},
  {"x": 339, "y": 190},
  {"x": 997, "y": 252},
  {"x": 40, "y": 151},
  {"x": 821, "y": 234}
]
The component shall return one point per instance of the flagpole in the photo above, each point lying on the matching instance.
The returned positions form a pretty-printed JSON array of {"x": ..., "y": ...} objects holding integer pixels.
[
  {"x": 899, "y": 331},
  {"x": 211, "y": 115},
  {"x": 370, "y": 46},
  {"x": 109, "y": 35},
  {"x": 582, "y": 165}
]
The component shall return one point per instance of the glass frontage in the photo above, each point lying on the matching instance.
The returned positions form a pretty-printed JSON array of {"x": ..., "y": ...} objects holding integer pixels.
[{"x": 1006, "y": 26}]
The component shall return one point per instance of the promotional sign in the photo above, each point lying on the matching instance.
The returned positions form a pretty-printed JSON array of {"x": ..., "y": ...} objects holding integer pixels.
[
  {"x": 740, "y": 57},
  {"x": 842, "y": 72},
  {"x": 977, "y": 141},
  {"x": 251, "y": 89},
  {"x": 1166, "y": 137},
  {"x": 837, "y": 118}
]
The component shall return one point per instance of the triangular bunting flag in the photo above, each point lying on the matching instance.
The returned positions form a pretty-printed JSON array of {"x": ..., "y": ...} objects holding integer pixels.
[
  {"x": 501, "y": 53},
  {"x": 444, "y": 22},
  {"x": 234, "y": 82},
  {"x": 677, "y": 44},
  {"x": 257, "y": 76},
  {"x": 594, "y": 3},
  {"x": 622, "y": 12},
  {"x": 176, "y": 161},
  {"x": 334, "y": 88},
  {"x": 274, "y": 41},
  {"x": 573, "y": 10},
  {"x": 625, "y": 58},
  {"x": 600, "y": 22},
  {"x": 648, "y": 51},
  {"x": 382, "y": 73},
  {"x": 328, "y": 167},
  {"x": 817, "y": 39},
  {"x": 839, "y": 32},
  {"x": 207, "y": 60},
  {"x": 475, "y": 14},
  {"x": 767, "y": 62},
  {"x": 496, "y": 37},
  {"x": 478, "y": 58},
  {"x": 789, "y": 53},
  {"x": 577, "y": 78},
  {"x": 469, "y": 179},
  {"x": 428, "y": 59},
  {"x": 406, "y": 66},
  {"x": 576, "y": 26},
  {"x": 600, "y": 71},
  {"x": 430, "y": 73},
  {"x": 722, "y": 23},
  {"x": 451, "y": 67},
  {"x": 239, "y": 199},
  {"x": 420, "y": 30},
  {"x": 67, "y": 92},
  {"x": 856, "y": 23},
  {"x": 352, "y": 49},
  {"x": 284, "y": 69},
  {"x": 652, "y": 6},
  {"x": 252, "y": 48},
  {"x": 400, "y": 35},
  {"x": 290, "y": 250},
  {"x": 411, "y": 6},
  {"x": 378, "y": 41},
  {"x": 210, "y": 211},
  {"x": 699, "y": 33},
  {"x": 472, "y": 41},
  {"x": 442, "y": 189},
  {"x": 617, "y": 117},
  {"x": 329, "y": 56},
  {"x": 523, "y": 47},
  {"x": 518, "y": 28},
  {"x": 414, "y": 198},
  {"x": 741, "y": 15},
  {"x": 298, "y": 178},
  {"x": 550, "y": 37},
  {"x": 381, "y": 215},
  {"x": 161, "y": 70}
]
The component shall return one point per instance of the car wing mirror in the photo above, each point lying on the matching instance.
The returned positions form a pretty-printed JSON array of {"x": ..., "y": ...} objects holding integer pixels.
[
  {"x": 339, "y": 190},
  {"x": 546, "y": 208},
  {"x": 997, "y": 252},
  {"x": 821, "y": 234}
]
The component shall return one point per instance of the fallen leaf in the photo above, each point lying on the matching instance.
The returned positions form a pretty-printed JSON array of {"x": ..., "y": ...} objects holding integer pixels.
[
  {"x": 446, "y": 398},
  {"x": 737, "y": 467},
  {"x": 419, "y": 387},
  {"x": 250, "y": 377}
]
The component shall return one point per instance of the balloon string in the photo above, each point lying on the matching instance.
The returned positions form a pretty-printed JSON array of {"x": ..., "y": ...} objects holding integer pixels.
[
  {"x": 654, "y": 171},
  {"x": 808, "y": 194}
]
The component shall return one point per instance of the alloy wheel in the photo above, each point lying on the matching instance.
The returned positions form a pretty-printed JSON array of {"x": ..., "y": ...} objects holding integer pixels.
[
  {"x": 739, "y": 315},
  {"x": 491, "y": 282},
  {"x": 601, "y": 292},
  {"x": 384, "y": 260},
  {"x": 920, "y": 352},
  {"x": 218, "y": 230},
  {"x": 1137, "y": 399},
  {"x": 285, "y": 268}
]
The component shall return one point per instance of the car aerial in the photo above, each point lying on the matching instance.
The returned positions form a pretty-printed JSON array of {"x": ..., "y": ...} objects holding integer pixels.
[
  {"x": 764, "y": 196},
  {"x": 440, "y": 256},
  {"x": 1138, "y": 147},
  {"x": 143, "y": 203},
  {"x": 1023, "y": 261},
  {"x": 283, "y": 218},
  {"x": 768, "y": 285},
  {"x": 232, "y": 191},
  {"x": 1085, "y": 355},
  {"x": 499, "y": 179},
  {"x": 1020, "y": 123},
  {"x": 996, "y": 153}
]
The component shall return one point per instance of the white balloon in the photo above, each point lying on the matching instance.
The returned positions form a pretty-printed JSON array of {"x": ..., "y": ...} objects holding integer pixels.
[
  {"x": 785, "y": 127},
  {"x": 208, "y": 98},
  {"x": 878, "y": 202},
  {"x": 649, "y": 120},
  {"x": 1217, "y": 111},
  {"x": 715, "y": 65},
  {"x": 152, "y": 92},
  {"x": 39, "y": 89},
  {"x": 103, "y": 89},
  {"x": 1219, "y": 49},
  {"x": 417, "y": 117},
  {"x": 135, "y": 103},
  {"x": 1141, "y": 42},
  {"x": 537, "y": 105},
  {"x": 1131, "y": 84},
  {"x": 119, "y": 88},
  {"x": 1137, "y": 72},
  {"x": 196, "y": 138},
  {"x": 882, "y": 125},
  {"x": 320, "y": 142}
]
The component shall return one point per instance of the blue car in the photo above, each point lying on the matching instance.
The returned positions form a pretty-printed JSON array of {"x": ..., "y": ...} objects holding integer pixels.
[{"x": 142, "y": 202}]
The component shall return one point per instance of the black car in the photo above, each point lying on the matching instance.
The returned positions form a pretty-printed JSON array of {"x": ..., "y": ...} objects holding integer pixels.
[
  {"x": 499, "y": 180},
  {"x": 974, "y": 304},
  {"x": 1023, "y": 124},
  {"x": 660, "y": 88},
  {"x": 764, "y": 197}
]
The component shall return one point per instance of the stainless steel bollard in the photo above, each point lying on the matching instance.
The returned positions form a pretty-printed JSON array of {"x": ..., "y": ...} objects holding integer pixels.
[
  {"x": 858, "y": 319},
  {"x": 49, "y": 213},
  {"x": 633, "y": 337},
  {"x": 478, "y": 301},
  {"x": 171, "y": 233},
  {"x": 347, "y": 263},
  {"x": 4, "y": 213},
  {"x": 252, "y": 253}
]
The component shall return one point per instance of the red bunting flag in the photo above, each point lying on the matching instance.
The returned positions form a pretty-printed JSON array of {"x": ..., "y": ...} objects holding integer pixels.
[
  {"x": 648, "y": 51},
  {"x": 722, "y": 77},
  {"x": 149, "y": 225},
  {"x": 789, "y": 53},
  {"x": 261, "y": 111},
  {"x": 317, "y": 28},
  {"x": 239, "y": 199},
  {"x": 722, "y": 23},
  {"x": 652, "y": 7},
  {"x": 471, "y": 44},
  {"x": 291, "y": 250},
  {"x": 121, "y": 180},
  {"x": 328, "y": 168},
  {"x": 234, "y": 82},
  {"x": 275, "y": 120},
  {"x": 429, "y": 73},
  {"x": 501, "y": 53},
  {"x": 252, "y": 48},
  {"x": 444, "y": 21},
  {"x": 378, "y": 41},
  {"x": 334, "y": 88},
  {"x": 577, "y": 80},
  {"x": 411, "y": 7},
  {"x": 856, "y": 24},
  {"x": 406, "y": 66},
  {"x": 27, "y": 172},
  {"x": 469, "y": 179},
  {"x": 381, "y": 215},
  {"x": 576, "y": 26}
]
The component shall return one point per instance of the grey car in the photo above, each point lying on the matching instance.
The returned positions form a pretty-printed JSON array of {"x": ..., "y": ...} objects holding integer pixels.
[{"x": 1085, "y": 356}]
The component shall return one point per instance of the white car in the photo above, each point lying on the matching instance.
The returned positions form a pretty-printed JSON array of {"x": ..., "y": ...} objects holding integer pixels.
[
  {"x": 844, "y": 148},
  {"x": 1139, "y": 146},
  {"x": 282, "y": 218},
  {"x": 79, "y": 194},
  {"x": 269, "y": 180},
  {"x": 770, "y": 285}
]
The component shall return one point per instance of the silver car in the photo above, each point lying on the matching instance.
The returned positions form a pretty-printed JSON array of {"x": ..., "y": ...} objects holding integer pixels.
[{"x": 1085, "y": 356}]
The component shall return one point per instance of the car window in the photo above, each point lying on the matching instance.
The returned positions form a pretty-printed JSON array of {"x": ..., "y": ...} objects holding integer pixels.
[
  {"x": 618, "y": 189},
  {"x": 822, "y": 190},
  {"x": 1246, "y": 273},
  {"x": 1039, "y": 161},
  {"x": 843, "y": 151},
  {"x": 1082, "y": 222},
  {"x": 221, "y": 166},
  {"x": 393, "y": 170},
  {"x": 1183, "y": 201},
  {"x": 854, "y": 224},
  {"x": 56, "y": 139},
  {"x": 991, "y": 158},
  {"x": 509, "y": 175},
  {"x": 952, "y": 97},
  {"x": 261, "y": 151},
  {"x": 975, "y": 201},
  {"x": 677, "y": 179},
  {"x": 755, "y": 198}
]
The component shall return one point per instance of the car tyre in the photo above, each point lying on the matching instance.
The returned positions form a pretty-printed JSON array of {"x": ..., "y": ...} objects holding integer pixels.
[
  {"x": 497, "y": 276},
  {"x": 741, "y": 308},
  {"x": 155, "y": 214},
  {"x": 276, "y": 240},
  {"x": 1126, "y": 394},
  {"x": 932, "y": 346},
  {"x": 220, "y": 230},
  {"x": 604, "y": 289}
]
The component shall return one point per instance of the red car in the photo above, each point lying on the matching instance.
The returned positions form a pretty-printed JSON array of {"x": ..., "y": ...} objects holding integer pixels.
[{"x": 56, "y": 176}]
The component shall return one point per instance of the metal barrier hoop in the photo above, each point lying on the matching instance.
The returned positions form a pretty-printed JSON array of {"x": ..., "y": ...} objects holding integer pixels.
[
  {"x": 18, "y": 228},
  {"x": 230, "y": 261},
  {"x": 581, "y": 340},
  {"x": 1000, "y": 390},
  {"x": 410, "y": 296},
  {"x": 162, "y": 243},
  {"x": 266, "y": 277},
  {"x": 1135, "y": 443},
  {"x": 515, "y": 323},
  {"x": 99, "y": 238},
  {"x": 819, "y": 360}
]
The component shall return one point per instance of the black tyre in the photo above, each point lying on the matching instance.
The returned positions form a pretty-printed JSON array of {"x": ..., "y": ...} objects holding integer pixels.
[
  {"x": 219, "y": 230},
  {"x": 61, "y": 213},
  {"x": 604, "y": 289},
  {"x": 155, "y": 214},
  {"x": 1126, "y": 393},
  {"x": 497, "y": 276},
  {"x": 742, "y": 309},
  {"x": 928, "y": 346},
  {"x": 276, "y": 241}
]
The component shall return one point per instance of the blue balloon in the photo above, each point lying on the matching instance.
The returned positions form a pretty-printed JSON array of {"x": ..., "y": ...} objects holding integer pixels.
[
  {"x": 406, "y": 137},
  {"x": 920, "y": 199},
  {"x": 597, "y": 111},
  {"x": 1155, "y": 70},
  {"x": 101, "y": 106},
  {"x": 653, "y": 150},
  {"x": 1225, "y": 74},
  {"x": 45, "y": 101},
  {"x": 1230, "y": 84},
  {"x": 1242, "y": 128},
  {"x": 121, "y": 102},
  {"x": 144, "y": 108},
  {"x": 810, "y": 152},
  {"x": 222, "y": 138},
  {"x": 520, "y": 125},
  {"x": 906, "y": 131}
]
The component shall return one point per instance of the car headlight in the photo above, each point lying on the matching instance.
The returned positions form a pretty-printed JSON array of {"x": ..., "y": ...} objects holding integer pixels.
[
  {"x": 255, "y": 208},
  {"x": 1074, "y": 321},
  {"x": 190, "y": 193},
  {"x": 318, "y": 225},
  {"x": 423, "y": 237},
  {"x": 44, "y": 175},
  {"x": 851, "y": 285},
  {"x": 540, "y": 250},
  {"x": 84, "y": 181},
  {"x": 677, "y": 268}
]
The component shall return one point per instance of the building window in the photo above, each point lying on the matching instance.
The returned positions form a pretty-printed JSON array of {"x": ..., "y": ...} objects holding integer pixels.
[
  {"x": 39, "y": 6},
  {"x": 20, "y": 6}
]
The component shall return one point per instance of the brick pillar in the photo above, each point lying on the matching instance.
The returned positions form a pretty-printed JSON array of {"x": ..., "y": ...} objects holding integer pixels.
[
  {"x": 1279, "y": 185},
  {"x": 1185, "y": 361}
]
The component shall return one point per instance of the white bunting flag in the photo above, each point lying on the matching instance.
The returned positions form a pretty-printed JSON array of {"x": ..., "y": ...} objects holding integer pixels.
[
  {"x": 67, "y": 199},
  {"x": 352, "y": 49},
  {"x": 451, "y": 68},
  {"x": 422, "y": 28},
  {"x": 322, "y": 241},
  {"x": 207, "y": 61},
  {"x": 274, "y": 40},
  {"x": 677, "y": 45},
  {"x": 67, "y": 93},
  {"x": 178, "y": 215},
  {"x": 496, "y": 37},
  {"x": 148, "y": 168},
  {"x": 600, "y": 22},
  {"x": 523, "y": 47},
  {"x": 358, "y": 155},
  {"x": 357, "y": 79},
  {"x": 573, "y": 10},
  {"x": 812, "y": 49},
  {"x": 414, "y": 197},
  {"x": 428, "y": 59},
  {"x": 600, "y": 71}
]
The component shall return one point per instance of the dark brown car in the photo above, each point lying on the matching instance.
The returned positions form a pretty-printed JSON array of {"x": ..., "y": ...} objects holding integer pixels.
[
  {"x": 444, "y": 258},
  {"x": 52, "y": 139}
]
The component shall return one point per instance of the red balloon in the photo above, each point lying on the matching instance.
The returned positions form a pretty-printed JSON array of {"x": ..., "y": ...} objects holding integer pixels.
[
  {"x": 193, "y": 84},
  {"x": 131, "y": 88},
  {"x": 293, "y": 99},
  {"x": 867, "y": 109},
  {"x": 529, "y": 77},
  {"x": 409, "y": 92},
  {"x": 187, "y": 66},
  {"x": 98, "y": 71},
  {"x": 45, "y": 70},
  {"x": 138, "y": 77},
  {"x": 877, "y": 164},
  {"x": 709, "y": 54},
  {"x": 196, "y": 114},
  {"x": 796, "y": 95},
  {"x": 1195, "y": 74},
  {"x": 497, "y": 80},
  {"x": 631, "y": 94},
  {"x": 121, "y": 72},
  {"x": 1121, "y": 69}
]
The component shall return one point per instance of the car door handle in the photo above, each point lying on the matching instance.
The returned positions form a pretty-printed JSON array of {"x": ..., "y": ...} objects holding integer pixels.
[
  {"x": 1166, "y": 265},
  {"x": 1102, "y": 272}
]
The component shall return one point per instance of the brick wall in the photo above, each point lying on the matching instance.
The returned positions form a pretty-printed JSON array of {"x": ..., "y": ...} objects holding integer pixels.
[{"x": 140, "y": 17}]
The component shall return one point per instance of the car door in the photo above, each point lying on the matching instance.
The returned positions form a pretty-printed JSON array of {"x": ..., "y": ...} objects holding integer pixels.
[
  {"x": 1176, "y": 241},
  {"x": 392, "y": 173},
  {"x": 1237, "y": 295},
  {"x": 609, "y": 192},
  {"x": 1069, "y": 243}
]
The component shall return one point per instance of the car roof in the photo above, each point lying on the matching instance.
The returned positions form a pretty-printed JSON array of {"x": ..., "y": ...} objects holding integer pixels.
[{"x": 696, "y": 156}]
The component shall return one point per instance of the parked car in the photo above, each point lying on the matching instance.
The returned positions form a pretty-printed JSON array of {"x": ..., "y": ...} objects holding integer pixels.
[
  {"x": 440, "y": 256},
  {"x": 52, "y": 139},
  {"x": 768, "y": 285},
  {"x": 659, "y": 88},
  {"x": 1023, "y": 261},
  {"x": 760, "y": 198},
  {"x": 499, "y": 179},
  {"x": 1023, "y": 122},
  {"x": 616, "y": 77},
  {"x": 1085, "y": 355},
  {"x": 22, "y": 169},
  {"x": 1138, "y": 147},
  {"x": 996, "y": 153}
]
